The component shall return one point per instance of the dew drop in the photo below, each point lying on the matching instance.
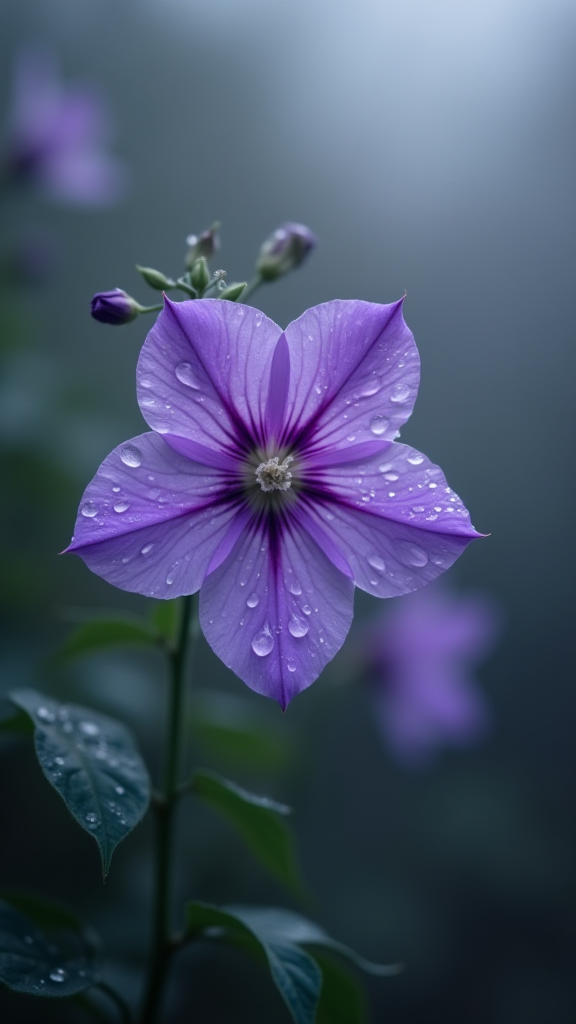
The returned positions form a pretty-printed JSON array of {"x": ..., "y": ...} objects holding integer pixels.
[
  {"x": 263, "y": 643},
  {"x": 116, "y": 490},
  {"x": 416, "y": 459},
  {"x": 400, "y": 393},
  {"x": 418, "y": 508},
  {"x": 58, "y": 974},
  {"x": 298, "y": 628},
  {"x": 432, "y": 485},
  {"x": 45, "y": 715},
  {"x": 89, "y": 509},
  {"x": 307, "y": 609},
  {"x": 185, "y": 375},
  {"x": 295, "y": 589},
  {"x": 89, "y": 728},
  {"x": 253, "y": 600},
  {"x": 376, "y": 562},
  {"x": 385, "y": 467},
  {"x": 291, "y": 666},
  {"x": 59, "y": 760},
  {"x": 121, "y": 506},
  {"x": 391, "y": 494},
  {"x": 171, "y": 575},
  {"x": 437, "y": 559},
  {"x": 413, "y": 555},
  {"x": 120, "y": 790},
  {"x": 391, "y": 477},
  {"x": 146, "y": 550},
  {"x": 91, "y": 819},
  {"x": 371, "y": 388},
  {"x": 379, "y": 425},
  {"x": 130, "y": 455}
]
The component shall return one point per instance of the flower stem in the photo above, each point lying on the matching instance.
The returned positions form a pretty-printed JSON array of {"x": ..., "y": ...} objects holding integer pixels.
[{"x": 162, "y": 945}]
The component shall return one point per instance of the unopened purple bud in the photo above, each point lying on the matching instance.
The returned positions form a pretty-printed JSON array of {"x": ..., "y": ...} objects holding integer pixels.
[
  {"x": 286, "y": 248},
  {"x": 115, "y": 307},
  {"x": 206, "y": 245}
]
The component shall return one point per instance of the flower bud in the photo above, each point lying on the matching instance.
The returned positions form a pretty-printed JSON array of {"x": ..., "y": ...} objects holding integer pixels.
[
  {"x": 232, "y": 292},
  {"x": 200, "y": 276},
  {"x": 286, "y": 248},
  {"x": 115, "y": 307},
  {"x": 206, "y": 245},
  {"x": 155, "y": 278}
]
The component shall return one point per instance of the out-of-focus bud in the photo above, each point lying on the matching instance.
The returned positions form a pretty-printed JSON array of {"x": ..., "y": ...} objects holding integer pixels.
[
  {"x": 200, "y": 276},
  {"x": 286, "y": 248},
  {"x": 206, "y": 245},
  {"x": 232, "y": 292},
  {"x": 115, "y": 307},
  {"x": 155, "y": 278}
]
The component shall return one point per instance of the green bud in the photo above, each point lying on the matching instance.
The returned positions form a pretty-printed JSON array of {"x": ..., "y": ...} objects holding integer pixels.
[
  {"x": 155, "y": 278},
  {"x": 200, "y": 275},
  {"x": 206, "y": 245},
  {"x": 232, "y": 292}
]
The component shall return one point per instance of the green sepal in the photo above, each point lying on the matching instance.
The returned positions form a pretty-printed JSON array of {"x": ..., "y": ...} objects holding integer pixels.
[
  {"x": 200, "y": 276},
  {"x": 295, "y": 974},
  {"x": 92, "y": 762},
  {"x": 233, "y": 292},
  {"x": 98, "y": 634},
  {"x": 259, "y": 820},
  {"x": 44, "y": 949},
  {"x": 155, "y": 278}
]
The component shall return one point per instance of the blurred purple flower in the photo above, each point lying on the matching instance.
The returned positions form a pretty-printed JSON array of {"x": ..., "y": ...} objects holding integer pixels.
[
  {"x": 271, "y": 480},
  {"x": 286, "y": 249},
  {"x": 58, "y": 136},
  {"x": 421, "y": 656}
]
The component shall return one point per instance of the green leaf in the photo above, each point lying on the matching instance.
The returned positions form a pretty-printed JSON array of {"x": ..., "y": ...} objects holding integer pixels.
[
  {"x": 295, "y": 974},
  {"x": 52, "y": 962},
  {"x": 236, "y": 732},
  {"x": 92, "y": 762},
  {"x": 102, "y": 633},
  {"x": 342, "y": 999},
  {"x": 13, "y": 720},
  {"x": 164, "y": 616},
  {"x": 259, "y": 820}
]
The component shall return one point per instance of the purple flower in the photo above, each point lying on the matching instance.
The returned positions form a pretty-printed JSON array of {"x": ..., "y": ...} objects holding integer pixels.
[
  {"x": 58, "y": 136},
  {"x": 114, "y": 307},
  {"x": 271, "y": 481},
  {"x": 421, "y": 654},
  {"x": 286, "y": 248}
]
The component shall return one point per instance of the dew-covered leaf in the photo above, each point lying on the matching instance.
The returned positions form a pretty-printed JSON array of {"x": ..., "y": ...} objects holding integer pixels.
[
  {"x": 259, "y": 820},
  {"x": 99, "y": 634},
  {"x": 295, "y": 974},
  {"x": 54, "y": 961},
  {"x": 92, "y": 761}
]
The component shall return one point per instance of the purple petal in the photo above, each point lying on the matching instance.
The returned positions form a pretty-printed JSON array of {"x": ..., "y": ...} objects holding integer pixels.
[
  {"x": 150, "y": 520},
  {"x": 354, "y": 373},
  {"x": 203, "y": 372},
  {"x": 278, "y": 390},
  {"x": 276, "y": 611}
]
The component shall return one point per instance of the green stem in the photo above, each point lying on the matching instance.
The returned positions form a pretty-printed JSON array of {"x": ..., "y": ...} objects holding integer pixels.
[
  {"x": 150, "y": 309},
  {"x": 162, "y": 944}
]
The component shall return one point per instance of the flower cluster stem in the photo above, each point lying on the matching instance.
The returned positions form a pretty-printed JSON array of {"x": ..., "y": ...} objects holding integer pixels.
[{"x": 162, "y": 944}]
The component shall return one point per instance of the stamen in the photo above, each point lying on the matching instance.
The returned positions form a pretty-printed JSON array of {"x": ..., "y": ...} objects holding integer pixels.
[{"x": 275, "y": 475}]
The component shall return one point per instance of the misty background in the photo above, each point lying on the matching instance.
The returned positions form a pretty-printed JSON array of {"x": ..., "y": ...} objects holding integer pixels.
[{"x": 430, "y": 147}]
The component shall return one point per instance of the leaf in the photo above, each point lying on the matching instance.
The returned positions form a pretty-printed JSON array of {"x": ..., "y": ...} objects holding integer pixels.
[
  {"x": 295, "y": 974},
  {"x": 92, "y": 762},
  {"x": 102, "y": 633},
  {"x": 52, "y": 963},
  {"x": 236, "y": 732},
  {"x": 342, "y": 999},
  {"x": 13, "y": 720},
  {"x": 258, "y": 819}
]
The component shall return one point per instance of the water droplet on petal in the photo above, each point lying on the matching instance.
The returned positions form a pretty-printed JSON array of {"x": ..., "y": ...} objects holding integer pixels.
[
  {"x": 295, "y": 589},
  {"x": 171, "y": 575},
  {"x": 89, "y": 509},
  {"x": 391, "y": 477},
  {"x": 121, "y": 506},
  {"x": 371, "y": 388},
  {"x": 437, "y": 559},
  {"x": 379, "y": 425},
  {"x": 186, "y": 375},
  {"x": 116, "y": 490},
  {"x": 263, "y": 643},
  {"x": 416, "y": 459},
  {"x": 376, "y": 562},
  {"x": 400, "y": 392},
  {"x": 58, "y": 974},
  {"x": 413, "y": 555},
  {"x": 298, "y": 628},
  {"x": 146, "y": 550},
  {"x": 291, "y": 665},
  {"x": 253, "y": 600},
  {"x": 418, "y": 508},
  {"x": 307, "y": 609},
  {"x": 131, "y": 456}
]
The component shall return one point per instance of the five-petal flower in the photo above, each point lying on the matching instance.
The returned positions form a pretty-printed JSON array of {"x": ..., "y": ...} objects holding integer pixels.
[{"x": 271, "y": 480}]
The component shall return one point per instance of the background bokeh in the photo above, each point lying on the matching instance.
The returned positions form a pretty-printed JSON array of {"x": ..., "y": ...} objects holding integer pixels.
[{"x": 430, "y": 146}]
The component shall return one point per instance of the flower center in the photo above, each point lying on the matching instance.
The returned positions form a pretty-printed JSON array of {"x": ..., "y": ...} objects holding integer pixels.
[{"x": 275, "y": 475}]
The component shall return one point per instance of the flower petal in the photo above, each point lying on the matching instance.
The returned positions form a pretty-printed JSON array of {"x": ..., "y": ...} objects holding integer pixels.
[
  {"x": 203, "y": 372},
  {"x": 277, "y": 610},
  {"x": 355, "y": 371},
  {"x": 278, "y": 390},
  {"x": 151, "y": 519},
  {"x": 393, "y": 517}
]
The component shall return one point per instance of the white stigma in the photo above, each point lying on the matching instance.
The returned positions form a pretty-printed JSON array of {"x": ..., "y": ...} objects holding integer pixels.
[{"x": 275, "y": 475}]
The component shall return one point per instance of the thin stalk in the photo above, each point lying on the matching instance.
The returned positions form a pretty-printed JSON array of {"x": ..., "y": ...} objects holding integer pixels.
[{"x": 162, "y": 944}]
